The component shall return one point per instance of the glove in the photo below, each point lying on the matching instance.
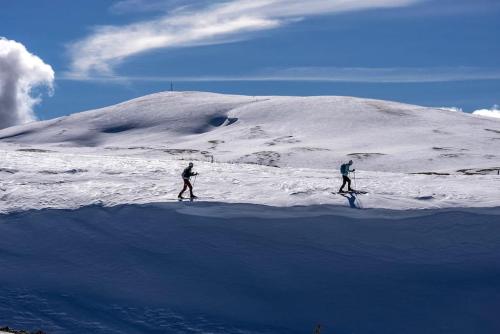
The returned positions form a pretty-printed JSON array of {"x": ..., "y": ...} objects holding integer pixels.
[{"x": 353, "y": 170}]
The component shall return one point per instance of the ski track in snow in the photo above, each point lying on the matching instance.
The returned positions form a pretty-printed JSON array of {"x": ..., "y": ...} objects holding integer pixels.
[{"x": 36, "y": 180}]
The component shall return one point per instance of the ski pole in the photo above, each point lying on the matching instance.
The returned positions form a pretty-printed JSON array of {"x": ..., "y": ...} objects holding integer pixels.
[{"x": 194, "y": 181}]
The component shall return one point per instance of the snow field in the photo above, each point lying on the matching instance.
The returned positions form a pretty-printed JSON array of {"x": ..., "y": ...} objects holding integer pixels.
[
  {"x": 37, "y": 180},
  {"x": 250, "y": 269},
  {"x": 94, "y": 240},
  {"x": 299, "y": 132}
]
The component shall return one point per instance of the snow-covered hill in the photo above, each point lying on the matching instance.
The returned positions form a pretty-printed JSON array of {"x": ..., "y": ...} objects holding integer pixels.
[
  {"x": 313, "y": 132},
  {"x": 134, "y": 152},
  {"x": 93, "y": 239}
]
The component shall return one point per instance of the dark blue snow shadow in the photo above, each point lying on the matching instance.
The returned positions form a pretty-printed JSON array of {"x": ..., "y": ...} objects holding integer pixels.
[
  {"x": 351, "y": 199},
  {"x": 237, "y": 268},
  {"x": 118, "y": 129}
]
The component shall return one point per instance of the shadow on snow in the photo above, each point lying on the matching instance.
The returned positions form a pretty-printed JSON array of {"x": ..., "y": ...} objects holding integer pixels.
[{"x": 241, "y": 268}]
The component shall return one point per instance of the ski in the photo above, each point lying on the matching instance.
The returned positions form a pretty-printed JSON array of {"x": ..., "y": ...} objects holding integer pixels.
[
  {"x": 189, "y": 199},
  {"x": 181, "y": 199},
  {"x": 356, "y": 192}
]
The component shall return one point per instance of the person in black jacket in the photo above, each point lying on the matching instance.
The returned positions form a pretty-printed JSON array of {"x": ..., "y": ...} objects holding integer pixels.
[
  {"x": 186, "y": 175},
  {"x": 345, "y": 169}
]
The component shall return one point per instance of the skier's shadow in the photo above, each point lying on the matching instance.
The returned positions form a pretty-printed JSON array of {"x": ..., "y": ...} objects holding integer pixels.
[{"x": 351, "y": 198}]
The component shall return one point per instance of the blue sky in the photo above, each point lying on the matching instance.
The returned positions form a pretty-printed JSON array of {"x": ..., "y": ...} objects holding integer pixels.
[{"x": 427, "y": 52}]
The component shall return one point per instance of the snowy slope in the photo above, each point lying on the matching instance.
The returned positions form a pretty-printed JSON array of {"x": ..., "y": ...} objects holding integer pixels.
[
  {"x": 134, "y": 152},
  {"x": 49, "y": 179},
  {"x": 312, "y": 132},
  {"x": 94, "y": 241},
  {"x": 211, "y": 268}
]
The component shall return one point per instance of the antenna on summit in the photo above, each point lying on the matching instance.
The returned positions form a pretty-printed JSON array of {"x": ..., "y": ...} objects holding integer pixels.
[{"x": 171, "y": 86}]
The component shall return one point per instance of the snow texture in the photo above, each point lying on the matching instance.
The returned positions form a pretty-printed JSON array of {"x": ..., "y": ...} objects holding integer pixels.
[
  {"x": 94, "y": 240},
  {"x": 406, "y": 156},
  {"x": 240, "y": 268},
  {"x": 301, "y": 132}
]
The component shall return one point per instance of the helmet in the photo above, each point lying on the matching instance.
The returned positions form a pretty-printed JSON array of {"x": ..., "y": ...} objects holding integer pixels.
[
  {"x": 350, "y": 162},
  {"x": 191, "y": 164}
]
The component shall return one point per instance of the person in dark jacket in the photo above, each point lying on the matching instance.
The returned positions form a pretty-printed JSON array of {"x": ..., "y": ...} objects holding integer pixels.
[
  {"x": 345, "y": 169},
  {"x": 186, "y": 175}
]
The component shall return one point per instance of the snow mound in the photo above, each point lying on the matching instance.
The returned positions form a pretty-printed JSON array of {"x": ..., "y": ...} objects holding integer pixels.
[
  {"x": 250, "y": 269},
  {"x": 317, "y": 132}
]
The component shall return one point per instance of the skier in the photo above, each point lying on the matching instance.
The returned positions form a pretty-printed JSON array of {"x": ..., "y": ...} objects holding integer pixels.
[
  {"x": 345, "y": 170},
  {"x": 186, "y": 175}
]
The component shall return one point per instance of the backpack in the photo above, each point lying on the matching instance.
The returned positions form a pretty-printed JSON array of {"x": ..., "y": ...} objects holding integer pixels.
[
  {"x": 344, "y": 168},
  {"x": 186, "y": 173}
]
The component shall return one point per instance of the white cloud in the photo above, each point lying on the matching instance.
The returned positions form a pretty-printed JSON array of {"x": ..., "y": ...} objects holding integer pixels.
[
  {"x": 382, "y": 75},
  {"x": 493, "y": 112},
  {"x": 107, "y": 46},
  {"x": 20, "y": 73},
  {"x": 330, "y": 74},
  {"x": 452, "y": 109}
]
